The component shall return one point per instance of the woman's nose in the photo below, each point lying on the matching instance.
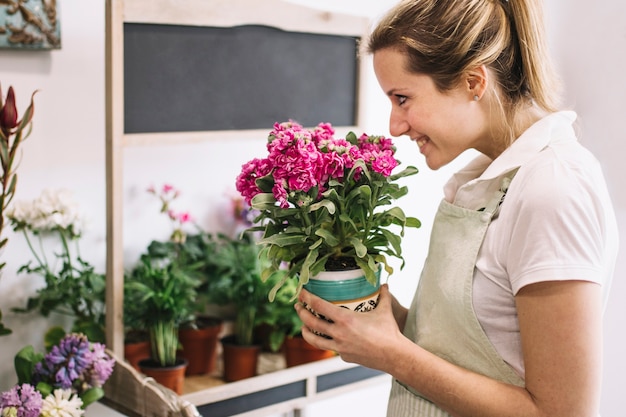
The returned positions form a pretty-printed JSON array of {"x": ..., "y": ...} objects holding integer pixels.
[{"x": 398, "y": 125}]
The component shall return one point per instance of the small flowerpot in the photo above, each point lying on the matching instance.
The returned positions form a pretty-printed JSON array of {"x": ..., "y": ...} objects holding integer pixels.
[
  {"x": 172, "y": 377},
  {"x": 136, "y": 351},
  {"x": 298, "y": 351},
  {"x": 349, "y": 289},
  {"x": 199, "y": 346},
  {"x": 240, "y": 361}
]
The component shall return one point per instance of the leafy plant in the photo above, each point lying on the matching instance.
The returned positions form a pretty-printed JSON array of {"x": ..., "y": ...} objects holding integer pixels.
[
  {"x": 279, "y": 315},
  {"x": 165, "y": 297},
  {"x": 237, "y": 269},
  {"x": 73, "y": 288},
  {"x": 323, "y": 202}
]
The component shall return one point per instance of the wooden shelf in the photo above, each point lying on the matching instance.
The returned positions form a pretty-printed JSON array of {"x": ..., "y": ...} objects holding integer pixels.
[
  {"x": 276, "y": 387},
  {"x": 277, "y": 390}
]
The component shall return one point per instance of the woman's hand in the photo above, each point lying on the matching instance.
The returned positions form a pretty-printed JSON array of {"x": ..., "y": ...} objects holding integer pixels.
[{"x": 359, "y": 337}]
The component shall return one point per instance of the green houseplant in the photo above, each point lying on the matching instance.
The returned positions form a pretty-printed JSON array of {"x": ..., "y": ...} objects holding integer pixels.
[
  {"x": 324, "y": 202},
  {"x": 238, "y": 266},
  {"x": 166, "y": 298},
  {"x": 283, "y": 328},
  {"x": 72, "y": 286},
  {"x": 190, "y": 250}
]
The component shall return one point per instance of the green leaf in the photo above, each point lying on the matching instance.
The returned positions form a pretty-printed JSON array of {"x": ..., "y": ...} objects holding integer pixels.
[
  {"x": 329, "y": 205},
  {"x": 394, "y": 240},
  {"x": 53, "y": 336},
  {"x": 359, "y": 247},
  {"x": 44, "y": 388},
  {"x": 283, "y": 240},
  {"x": 408, "y": 171},
  {"x": 24, "y": 362},
  {"x": 328, "y": 236},
  {"x": 263, "y": 201},
  {"x": 91, "y": 396}
]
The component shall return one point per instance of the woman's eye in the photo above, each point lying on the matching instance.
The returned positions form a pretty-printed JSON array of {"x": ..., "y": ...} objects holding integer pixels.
[{"x": 401, "y": 99}]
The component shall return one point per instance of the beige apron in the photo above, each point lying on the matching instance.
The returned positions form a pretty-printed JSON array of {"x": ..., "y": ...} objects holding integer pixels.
[{"x": 441, "y": 318}]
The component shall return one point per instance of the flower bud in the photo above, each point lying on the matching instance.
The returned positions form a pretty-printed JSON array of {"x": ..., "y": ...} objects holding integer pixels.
[{"x": 8, "y": 113}]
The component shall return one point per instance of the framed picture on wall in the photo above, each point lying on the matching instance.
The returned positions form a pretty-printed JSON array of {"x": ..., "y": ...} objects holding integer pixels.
[{"x": 29, "y": 24}]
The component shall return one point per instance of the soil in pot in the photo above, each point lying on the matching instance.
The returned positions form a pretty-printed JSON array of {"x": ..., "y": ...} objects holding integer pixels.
[
  {"x": 240, "y": 361},
  {"x": 199, "y": 345},
  {"x": 172, "y": 377},
  {"x": 298, "y": 352}
]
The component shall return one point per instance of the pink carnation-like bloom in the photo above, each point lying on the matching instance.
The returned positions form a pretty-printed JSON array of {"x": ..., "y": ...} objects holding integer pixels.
[
  {"x": 300, "y": 159},
  {"x": 384, "y": 163},
  {"x": 250, "y": 172},
  {"x": 280, "y": 194}
]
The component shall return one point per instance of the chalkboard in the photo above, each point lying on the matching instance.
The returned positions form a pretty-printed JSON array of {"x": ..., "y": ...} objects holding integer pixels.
[{"x": 189, "y": 78}]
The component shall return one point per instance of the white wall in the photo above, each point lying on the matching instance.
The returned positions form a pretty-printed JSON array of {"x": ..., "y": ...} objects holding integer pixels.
[{"x": 66, "y": 149}]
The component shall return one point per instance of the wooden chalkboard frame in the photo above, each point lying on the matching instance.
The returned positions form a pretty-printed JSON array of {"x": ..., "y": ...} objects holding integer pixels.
[
  {"x": 189, "y": 78},
  {"x": 203, "y": 13}
]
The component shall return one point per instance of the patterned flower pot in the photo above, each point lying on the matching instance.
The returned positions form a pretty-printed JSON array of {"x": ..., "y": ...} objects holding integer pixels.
[{"x": 347, "y": 288}]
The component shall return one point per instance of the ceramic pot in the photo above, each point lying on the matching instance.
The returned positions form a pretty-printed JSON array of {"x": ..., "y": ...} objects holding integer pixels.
[
  {"x": 240, "y": 361},
  {"x": 298, "y": 352},
  {"x": 199, "y": 346},
  {"x": 347, "y": 288},
  {"x": 172, "y": 377}
]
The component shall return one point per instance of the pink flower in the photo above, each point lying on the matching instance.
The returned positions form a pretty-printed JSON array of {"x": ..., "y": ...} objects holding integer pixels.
[
  {"x": 280, "y": 194},
  {"x": 250, "y": 172},
  {"x": 323, "y": 131},
  {"x": 384, "y": 163}
]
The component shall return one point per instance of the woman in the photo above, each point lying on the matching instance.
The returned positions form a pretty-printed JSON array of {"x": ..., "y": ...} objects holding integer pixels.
[{"x": 506, "y": 320}]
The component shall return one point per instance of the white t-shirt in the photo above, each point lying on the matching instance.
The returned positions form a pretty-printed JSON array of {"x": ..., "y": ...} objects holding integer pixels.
[{"x": 555, "y": 223}]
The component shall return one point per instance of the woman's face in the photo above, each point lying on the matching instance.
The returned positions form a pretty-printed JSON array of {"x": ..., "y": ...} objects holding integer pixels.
[{"x": 443, "y": 125}]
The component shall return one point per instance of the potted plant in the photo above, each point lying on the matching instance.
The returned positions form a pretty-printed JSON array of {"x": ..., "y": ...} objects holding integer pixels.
[
  {"x": 190, "y": 253},
  {"x": 166, "y": 296},
  {"x": 239, "y": 268},
  {"x": 283, "y": 324},
  {"x": 72, "y": 287},
  {"x": 199, "y": 335},
  {"x": 324, "y": 205}
]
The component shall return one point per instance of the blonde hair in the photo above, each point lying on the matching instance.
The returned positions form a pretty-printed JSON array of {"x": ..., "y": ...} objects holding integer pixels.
[{"x": 446, "y": 38}]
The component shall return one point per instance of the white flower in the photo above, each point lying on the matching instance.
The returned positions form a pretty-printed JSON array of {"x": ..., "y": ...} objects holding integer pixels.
[
  {"x": 53, "y": 209},
  {"x": 62, "y": 403}
]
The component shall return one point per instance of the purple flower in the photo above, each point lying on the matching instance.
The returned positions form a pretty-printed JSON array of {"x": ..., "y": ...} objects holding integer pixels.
[
  {"x": 75, "y": 359},
  {"x": 23, "y": 399},
  {"x": 101, "y": 367}
]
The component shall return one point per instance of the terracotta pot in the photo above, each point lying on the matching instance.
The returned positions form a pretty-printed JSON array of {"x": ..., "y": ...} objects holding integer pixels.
[
  {"x": 136, "y": 351},
  {"x": 172, "y": 377},
  {"x": 199, "y": 347},
  {"x": 240, "y": 361},
  {"x": 298, "y": 351}
]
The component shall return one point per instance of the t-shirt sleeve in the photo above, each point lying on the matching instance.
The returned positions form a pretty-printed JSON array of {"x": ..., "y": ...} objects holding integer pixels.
[{"x": 558, "y": 230}]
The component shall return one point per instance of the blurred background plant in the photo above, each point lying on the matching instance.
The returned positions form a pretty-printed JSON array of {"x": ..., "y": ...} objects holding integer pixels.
[
  {"x": 12, "y": 132},
  {"x": 72, "y": 287}
]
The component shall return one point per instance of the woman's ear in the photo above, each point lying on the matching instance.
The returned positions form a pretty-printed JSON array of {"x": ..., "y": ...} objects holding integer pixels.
[{"x": 476, "y": 81}]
